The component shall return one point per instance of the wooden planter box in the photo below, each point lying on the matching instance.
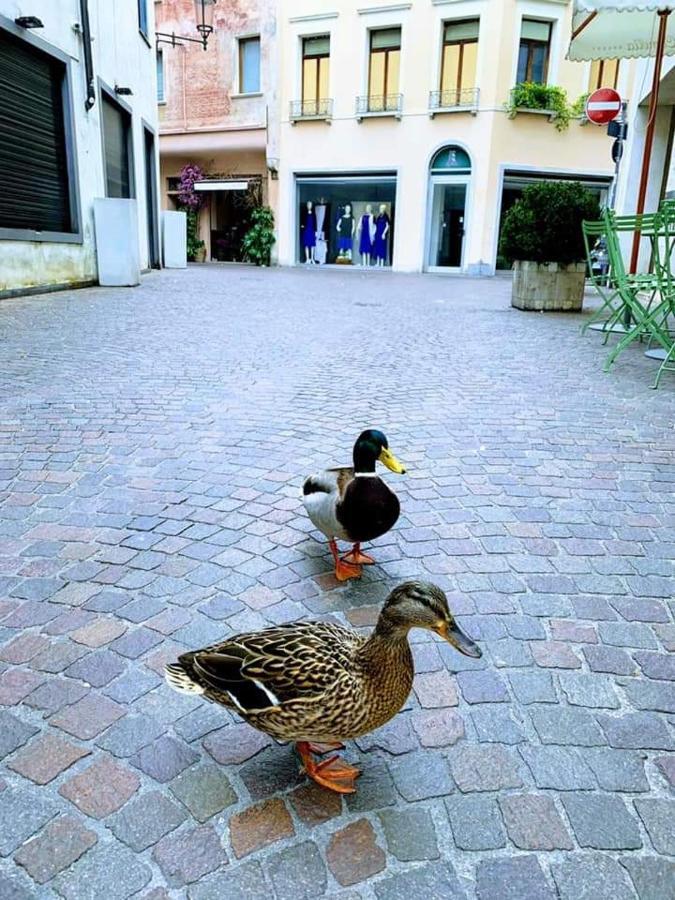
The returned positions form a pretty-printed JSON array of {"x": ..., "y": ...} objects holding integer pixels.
[{"x": 548, "y": 287}]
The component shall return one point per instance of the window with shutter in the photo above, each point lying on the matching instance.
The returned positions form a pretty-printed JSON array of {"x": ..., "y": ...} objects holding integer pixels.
[
  {"x": 34, "y": 180},
  {"x": 116, "y": 148}
]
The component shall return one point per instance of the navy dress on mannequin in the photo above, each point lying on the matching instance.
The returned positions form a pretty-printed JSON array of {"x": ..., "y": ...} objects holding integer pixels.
[
  {"x": 382, "y": 223},
  {"x": 309, "y": 229}
]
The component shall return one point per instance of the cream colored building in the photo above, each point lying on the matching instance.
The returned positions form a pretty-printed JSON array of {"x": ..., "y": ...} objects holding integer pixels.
[{"x": 400, "y": 107}]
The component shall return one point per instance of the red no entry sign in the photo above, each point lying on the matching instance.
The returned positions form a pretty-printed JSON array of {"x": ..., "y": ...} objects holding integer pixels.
[{"x": 603, "y": 106}]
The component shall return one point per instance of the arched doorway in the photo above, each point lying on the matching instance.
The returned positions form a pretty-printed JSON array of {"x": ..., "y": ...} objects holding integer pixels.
[{"x": 449, "y": 176}]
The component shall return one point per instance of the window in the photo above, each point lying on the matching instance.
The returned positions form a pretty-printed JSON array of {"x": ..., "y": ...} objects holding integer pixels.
[
  {"x": 34, "y": 152},
  {"x": 534, "y": 51},
  {"x": 604, "y": 73},
  {"x": 315, "y": 63},
  {"x": 458, "y": 66},
  {"x": 249, "y": 65},
  {"x": 116, "y": 147},
  {"x": 143, "y": 17},
  {"x": 385, "y": 63},
  {"x": 159, "y": 61}
]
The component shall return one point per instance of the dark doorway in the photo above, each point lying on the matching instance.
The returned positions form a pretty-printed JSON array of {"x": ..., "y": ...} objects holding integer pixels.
[
  {"x": 230, "y": 220},
  {"x": 151, "y": 199}
]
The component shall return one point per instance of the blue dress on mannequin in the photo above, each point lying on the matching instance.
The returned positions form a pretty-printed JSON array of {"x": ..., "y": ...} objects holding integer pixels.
[
  {"x": 380, "y": 242},
  {"x": 309, "y": 230},
  {"x": 365, "y": 244}
]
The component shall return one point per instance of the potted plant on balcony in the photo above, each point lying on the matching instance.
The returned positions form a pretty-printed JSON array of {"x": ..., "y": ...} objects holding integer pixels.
[
  {"x": 541, "y": 98},
  {"x": 542, "y": 235}
]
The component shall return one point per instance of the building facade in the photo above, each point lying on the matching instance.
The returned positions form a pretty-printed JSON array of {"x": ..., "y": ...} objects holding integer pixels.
[
  {"x": 218, "y": 111},
  {"x": 78, "y": 111},
  {"x": 397, "y": 145}
]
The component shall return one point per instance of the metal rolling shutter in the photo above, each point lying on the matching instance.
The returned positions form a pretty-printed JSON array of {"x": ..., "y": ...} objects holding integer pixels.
[{"x": 33, "y": 166}]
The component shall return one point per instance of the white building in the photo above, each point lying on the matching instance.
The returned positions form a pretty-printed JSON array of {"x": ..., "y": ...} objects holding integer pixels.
[{"x": 78, "y": 106}]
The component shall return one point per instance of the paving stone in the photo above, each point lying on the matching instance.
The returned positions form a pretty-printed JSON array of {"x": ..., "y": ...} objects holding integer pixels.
[
  {"x": 658, "y": 696},
  {"x": 57, "y": 657},
  {"x": 97, "y": 669},
  {"x": 129, "y": 735},
  {"x": 131, "y": 685},
  {"x": 200, "y": 722},
  {"x": 145, "y": 819},
  {"x": 482, "y": 687},
  {"x": 136, "y": 642},
  {"x": 410, "y": 834},
  {"x": 435, "y": 690},
  {"x": 235, "y": 744},
  {"x": 666, "y": 765},
  {"x": 587, "y": 876},
  {"x": 259, "y": 826},
  {"x": 109, "y": 870},
  {"x": 54, "y": 694},
  {"x": 62, "y": 842},
  {"x": 314, "y": 805},
  {"x": 396, "y": 737},
  {"x": 99, "y": 632},
  {"x": 14, "y": 732},
  {"x": 421, "y": 775},
  {"x": 88, "y": 717},
  {"x": 533, "y": 822},
  {"x": 271, "y": 772},
  {"x": 23, "y": 648},
  {"x": 658, "y": 817},
  {"x": 627, "y": 634},
  {"x": 636, "y": 731},
  {"x": 434, "y": 881},
  {"x": 649, "y": 874},
  {"x": 554, "y": 655},
  {"x": 602, "y": 822},
  {"x": 102, "y": 788},
  {"x": 187, "y": 855},
  {"x": 533, "y": 687},
  {"x": 475, "y": 823},
  {"x": 45, "y": 758},
  {"x": 438, "y": 728},
  {"x": 23, "y": 814},
  {"x": 589, "y": 690},
  {"x": 496, "y": 725},
  {"x": 609, "y": 659},
  {"x": 618, "y": 770},
  {"x": 245, "y": 881},
  {"x": 657, "y": 665},
  {"x": 205, "y": 791},
  {"x": 13, "y": 889},
  {"x": 559, "y": 768},
  {"x": 16, "y": 685},
  {"x": 353, "y": 854},
  {"x": 576, "y": 632},
  {"x": 297, "y": 872},
  {"x": 164, "y": 759},
  {"x": 485, "y": 768},
  {"x": 512, "y": 878},
  {"x": 566, "y": 725}
]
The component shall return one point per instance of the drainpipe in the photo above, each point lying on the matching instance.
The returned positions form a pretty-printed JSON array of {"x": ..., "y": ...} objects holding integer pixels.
[{"x": 88, "y": 59}]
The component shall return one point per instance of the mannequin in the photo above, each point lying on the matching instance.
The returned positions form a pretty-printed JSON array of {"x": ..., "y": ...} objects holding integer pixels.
[
  {"x": 345, "y": 230},
  {"x": 308, "y": 233},
  {"x": 366, "y": 230},
  {"x": 382, "y": 227},
  {"x": 321, "y": 249}
]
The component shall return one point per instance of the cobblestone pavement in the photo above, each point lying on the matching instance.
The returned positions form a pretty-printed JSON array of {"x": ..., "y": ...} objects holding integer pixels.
[{"x": 153, "y": 444}]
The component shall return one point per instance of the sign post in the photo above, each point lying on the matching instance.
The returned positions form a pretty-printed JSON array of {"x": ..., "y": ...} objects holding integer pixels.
[{"x": 605, "y": 107}]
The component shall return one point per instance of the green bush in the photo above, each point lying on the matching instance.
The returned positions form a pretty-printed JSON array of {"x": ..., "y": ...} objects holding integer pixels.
[
  {"x": 259, "y": 239},
  {"x": 529, "y": 95},
  {"x": 544, "y": 225},
  {"x": 194, "y": 244}
]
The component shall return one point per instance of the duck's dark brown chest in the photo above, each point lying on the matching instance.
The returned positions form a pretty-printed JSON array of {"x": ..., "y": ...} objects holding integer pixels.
[{"x": 368, "y": 509}]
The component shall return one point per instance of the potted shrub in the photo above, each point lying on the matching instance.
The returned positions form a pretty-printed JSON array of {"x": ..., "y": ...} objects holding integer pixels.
[
  {"x": 542, "y": 235},
  {"x": 259, "y": 239}
]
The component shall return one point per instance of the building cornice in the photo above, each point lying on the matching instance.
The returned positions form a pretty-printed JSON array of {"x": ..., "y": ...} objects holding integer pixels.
[
  {"x": 314, "y": 17},
  {"x": 391, "y": 7}
]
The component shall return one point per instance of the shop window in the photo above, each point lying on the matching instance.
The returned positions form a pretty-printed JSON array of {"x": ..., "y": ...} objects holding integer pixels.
[
  {"x": 534, "y": 51},
  {"x": 161, "y": 96},
  {"x": 384, "y": 68},
  {"x": 249, "y": 65},
  {"x": 315, "y": 68},
  {"x": 346, "y": 220},
  {"x": 116, "y": 148},
  {"x": 604, "y": 73},
  {"x": 35, "y": 152},
  {"x": 458, "y": 65}
]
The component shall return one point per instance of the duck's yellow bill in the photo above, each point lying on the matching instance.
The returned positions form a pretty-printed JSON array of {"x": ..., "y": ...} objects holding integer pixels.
[{"x": 388, "y": 459}]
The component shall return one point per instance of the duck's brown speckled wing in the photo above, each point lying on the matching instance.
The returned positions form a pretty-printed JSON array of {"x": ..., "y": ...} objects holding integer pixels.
[{"x": 267, "y": 669}]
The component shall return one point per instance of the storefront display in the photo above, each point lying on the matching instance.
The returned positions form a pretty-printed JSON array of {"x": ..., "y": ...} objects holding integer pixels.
[{"x": 340, "y": 212}]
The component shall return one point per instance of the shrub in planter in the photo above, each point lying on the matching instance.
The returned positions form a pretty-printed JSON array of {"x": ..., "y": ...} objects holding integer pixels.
[
  {"x": 259, "y": 239},
  {"x": 542, "y": 234}
]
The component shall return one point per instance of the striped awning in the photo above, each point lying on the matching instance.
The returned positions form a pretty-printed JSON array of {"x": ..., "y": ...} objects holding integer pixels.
[{"x": 618, "y": 29}]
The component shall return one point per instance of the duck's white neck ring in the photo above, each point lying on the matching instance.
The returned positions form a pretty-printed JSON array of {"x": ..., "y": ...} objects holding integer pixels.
[{"x": 365, "y": 475}]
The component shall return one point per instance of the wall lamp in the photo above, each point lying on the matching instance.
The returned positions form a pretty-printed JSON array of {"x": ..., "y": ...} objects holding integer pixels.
[
  {"x": 204, "y": 17},
  {"x": 28, "y": 22},
  {"x": 273, "y": 168}
]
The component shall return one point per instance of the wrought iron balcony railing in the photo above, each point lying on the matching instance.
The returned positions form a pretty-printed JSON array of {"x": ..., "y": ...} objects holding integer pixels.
[
  {"x": 311, "y": 109},
  {"x": 379, "y": 105},
  {"x": 454, "y": 100}
]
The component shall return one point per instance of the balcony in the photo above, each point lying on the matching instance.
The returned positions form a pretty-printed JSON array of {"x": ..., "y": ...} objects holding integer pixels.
[
  {"x": 311, "y": 111},
  {"x": 454, "y": 101},
  {"x": 379, "y": 105}
]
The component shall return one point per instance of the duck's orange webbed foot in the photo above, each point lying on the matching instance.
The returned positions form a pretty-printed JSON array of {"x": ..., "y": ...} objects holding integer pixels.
[
  {"x": 356, "y": 558},
  {"x": 343, "y": 570},
  {"x": 333, "y": 773}
]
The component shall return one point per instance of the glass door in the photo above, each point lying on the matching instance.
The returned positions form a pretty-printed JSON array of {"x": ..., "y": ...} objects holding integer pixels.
[{"x": 448, "y": 206}]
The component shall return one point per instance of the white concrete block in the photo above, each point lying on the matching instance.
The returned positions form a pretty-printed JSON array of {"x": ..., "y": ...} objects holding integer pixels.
[
  {"x": 117, "y": 249},
  {"x": 174, "y": 240}
]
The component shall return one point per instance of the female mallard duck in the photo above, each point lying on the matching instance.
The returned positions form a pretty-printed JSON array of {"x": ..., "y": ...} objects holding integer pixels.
[
  {"x": 317, "y": 683},
  {"x": 354, "y": 504}
]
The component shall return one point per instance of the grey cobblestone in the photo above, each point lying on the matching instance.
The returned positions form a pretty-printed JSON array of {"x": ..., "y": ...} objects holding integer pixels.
[{"x": 165, "y": 481}]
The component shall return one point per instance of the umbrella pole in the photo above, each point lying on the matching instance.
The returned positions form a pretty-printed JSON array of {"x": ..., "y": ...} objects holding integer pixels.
[{"x": 651, "y": 126}]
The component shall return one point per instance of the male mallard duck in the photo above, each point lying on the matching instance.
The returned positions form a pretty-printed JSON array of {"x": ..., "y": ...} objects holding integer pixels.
[
  {"x": 317, "y": 683},
  {"x": 354, "y": 504}
]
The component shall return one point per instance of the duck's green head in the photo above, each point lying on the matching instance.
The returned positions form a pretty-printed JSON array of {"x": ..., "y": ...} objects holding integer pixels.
[
  {"x": 420, "y": 604},
  {"x": 372, "y": 446}
]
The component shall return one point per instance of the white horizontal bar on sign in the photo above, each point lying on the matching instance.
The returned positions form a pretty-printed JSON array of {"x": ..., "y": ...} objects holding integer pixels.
[
  {"x": 607, "y": 104},
  {"x": 221, "y": 185}
]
